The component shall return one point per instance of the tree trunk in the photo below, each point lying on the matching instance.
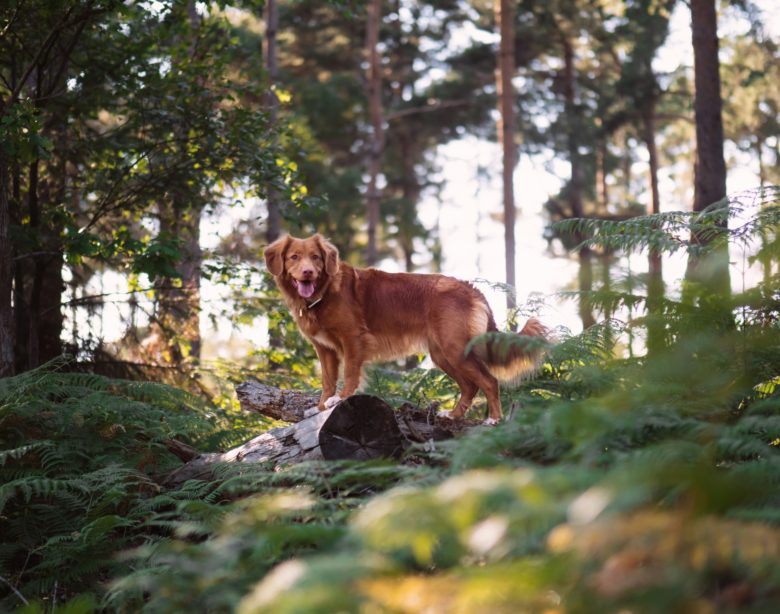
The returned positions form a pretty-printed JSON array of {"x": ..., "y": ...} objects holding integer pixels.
[
  {"x": 505, "y": 70},
  {"x": 21, "y": 314},
  {"x": 48, "y": 287},
  {"x": 6, "y": 275},
  {"x": 606, "y": 283},
  {"x": 34, "y": 303},
  {"x": 655, "y": 280},
  {"x": 710, "y": 171},
  {"x": 274, "y": 224},
  {"x": 602, "y": 188},
  {"x": 572, "y": 127},
  {"x": 44, "y": 321},
  {"x": 766, "y": 260},
  {"x": 410, "y": 194},
  {"x": 585, "y": 278},
  {"x": 376, "y": 141},
  {"x": 710, "y": 168},
  {"x": 575, "y": 183}
]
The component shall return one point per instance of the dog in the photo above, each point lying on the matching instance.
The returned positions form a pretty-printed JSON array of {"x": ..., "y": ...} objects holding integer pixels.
[{"x": 352, "y": 316}]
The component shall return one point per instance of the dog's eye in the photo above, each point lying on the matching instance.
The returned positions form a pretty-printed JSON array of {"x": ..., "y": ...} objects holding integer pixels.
[
  {"x": 294, "y": 257},
  {"x": 315, "y": 257}
]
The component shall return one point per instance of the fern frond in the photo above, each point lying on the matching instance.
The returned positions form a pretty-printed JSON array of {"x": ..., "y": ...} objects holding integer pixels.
[{"x": 17, "y": 453}]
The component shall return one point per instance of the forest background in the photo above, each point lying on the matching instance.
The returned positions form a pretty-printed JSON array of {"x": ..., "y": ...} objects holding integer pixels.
[{"x": 150, "y": 150}]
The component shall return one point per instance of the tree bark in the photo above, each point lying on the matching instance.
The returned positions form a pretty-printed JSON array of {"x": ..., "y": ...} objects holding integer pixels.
[
  {"x": 710, "y": 167},
  {"x": 274, "y": 224},
  {"x": 505, "y": 70},
  {"x": 278, "y": 447},
  {"x": 377, "y": 137},
  {"x": 585, "y": 279},
  {"x": 655, "y": 280},
  {"x": 710, "y": 170},
  {"x": 602, "y": 187},
  {"x": 287, "y": 405},
  {"x": 410, "y": 194},
  {"x": 49, "y": 286}
]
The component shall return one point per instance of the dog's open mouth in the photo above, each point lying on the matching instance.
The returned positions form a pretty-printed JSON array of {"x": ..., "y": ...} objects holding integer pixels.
[{"x": 305, "y": 287}]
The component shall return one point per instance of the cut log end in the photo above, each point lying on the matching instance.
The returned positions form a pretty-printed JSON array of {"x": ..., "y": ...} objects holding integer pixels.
[{"x": 361, "y": 427}]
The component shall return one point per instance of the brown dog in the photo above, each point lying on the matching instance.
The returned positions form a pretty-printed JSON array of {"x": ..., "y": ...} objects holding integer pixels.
[{"x": 353, "y": 315}]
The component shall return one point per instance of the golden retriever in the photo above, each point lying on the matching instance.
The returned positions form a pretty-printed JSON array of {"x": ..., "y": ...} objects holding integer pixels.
[{"x": 353, "y": 315}]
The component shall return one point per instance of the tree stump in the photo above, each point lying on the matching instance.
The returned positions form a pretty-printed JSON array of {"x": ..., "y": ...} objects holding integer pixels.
[{"x": 361, "y": 427}]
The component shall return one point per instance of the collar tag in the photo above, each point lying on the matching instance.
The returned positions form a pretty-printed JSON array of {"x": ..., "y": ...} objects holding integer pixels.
[{"x": 308, "y": 306}]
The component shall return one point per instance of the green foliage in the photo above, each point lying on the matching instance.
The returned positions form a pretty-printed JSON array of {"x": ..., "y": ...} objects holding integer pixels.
[
  {"x": 79, "y": 456},
  {"x": 20, "y": 133},
  {"x": 418, "y": 386},
  {"x": 301, "y": 510}
]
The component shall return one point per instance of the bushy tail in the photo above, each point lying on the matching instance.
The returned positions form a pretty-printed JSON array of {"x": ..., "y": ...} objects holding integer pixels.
[{"x": 512, "y": 356}]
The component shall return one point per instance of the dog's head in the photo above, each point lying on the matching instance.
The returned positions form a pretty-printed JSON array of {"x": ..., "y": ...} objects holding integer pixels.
[{"x": 302, "y": 264}]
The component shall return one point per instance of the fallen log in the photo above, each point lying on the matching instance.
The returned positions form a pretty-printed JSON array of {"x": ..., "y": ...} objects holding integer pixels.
[
  {"x": 287, "y": 405},
  {"x": 277, "y": 447},
  {"x": 361, "y": 427},
  {"x": 416, "y": 424}
]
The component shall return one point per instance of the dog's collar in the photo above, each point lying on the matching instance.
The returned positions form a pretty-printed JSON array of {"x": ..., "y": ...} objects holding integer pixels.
[{"x": 310, "y": 305}]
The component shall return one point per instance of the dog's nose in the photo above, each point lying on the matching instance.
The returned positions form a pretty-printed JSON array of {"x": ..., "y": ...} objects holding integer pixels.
[{"x": 307, "y": 272}]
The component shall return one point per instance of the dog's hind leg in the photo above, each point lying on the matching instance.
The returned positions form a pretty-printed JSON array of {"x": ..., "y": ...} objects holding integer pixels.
[
  {"x": 468, "y": 390},
  {"x": 475, "y": 375}
]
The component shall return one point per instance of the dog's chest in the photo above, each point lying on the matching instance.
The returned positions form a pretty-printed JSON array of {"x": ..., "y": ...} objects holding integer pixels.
[{"x": 311, "y": 327}]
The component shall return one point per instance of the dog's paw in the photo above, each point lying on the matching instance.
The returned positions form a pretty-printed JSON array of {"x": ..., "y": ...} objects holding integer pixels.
[
  {"x": 331, "y": 402},
  {"x": 312, "y": 411},
  {"x": 490, "y": 422}
]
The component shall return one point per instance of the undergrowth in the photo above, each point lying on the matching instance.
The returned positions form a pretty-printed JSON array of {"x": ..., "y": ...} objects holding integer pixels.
[{"x": 641, "y": 483}]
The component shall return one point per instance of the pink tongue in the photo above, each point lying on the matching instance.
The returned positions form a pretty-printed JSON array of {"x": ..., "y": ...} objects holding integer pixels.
[{"x": 305, "y": 288}]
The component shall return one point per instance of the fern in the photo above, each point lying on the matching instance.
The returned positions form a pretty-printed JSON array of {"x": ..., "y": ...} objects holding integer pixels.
[{"x": 72, "y": 499}]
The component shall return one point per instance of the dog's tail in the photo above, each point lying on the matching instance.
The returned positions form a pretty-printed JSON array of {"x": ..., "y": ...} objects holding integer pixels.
[{"x": 510, "y": 357}]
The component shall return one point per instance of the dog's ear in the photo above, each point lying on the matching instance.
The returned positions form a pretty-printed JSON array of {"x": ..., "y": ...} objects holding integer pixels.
[
  {"x": 330, "y": 254},
  {"x": 274, "y": 255}
]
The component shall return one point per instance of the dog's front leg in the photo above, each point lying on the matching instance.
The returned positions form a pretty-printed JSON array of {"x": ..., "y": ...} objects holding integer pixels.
[
  {"x": 329, "y": 363},
  {"x": 354, "y": 358}
]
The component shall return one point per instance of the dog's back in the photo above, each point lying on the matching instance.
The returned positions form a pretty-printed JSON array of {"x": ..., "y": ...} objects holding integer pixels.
[{"x": 409, "y": 312}]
